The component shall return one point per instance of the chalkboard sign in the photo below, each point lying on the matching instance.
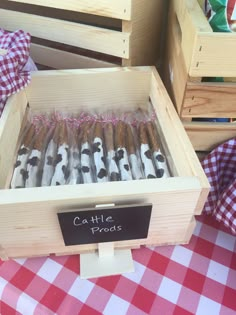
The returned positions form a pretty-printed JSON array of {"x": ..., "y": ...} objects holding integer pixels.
[{"x": 105, "y": 225}]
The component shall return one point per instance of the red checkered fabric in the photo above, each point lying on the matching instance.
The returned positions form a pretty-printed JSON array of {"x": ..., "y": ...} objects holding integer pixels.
[
  {"x": 13, "y": 77},
  {"x": 195, "y": 279},
  {"x": 220, "y": 168}
]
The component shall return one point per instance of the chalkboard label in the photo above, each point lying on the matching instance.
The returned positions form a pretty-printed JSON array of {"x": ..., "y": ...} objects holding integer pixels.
[{"x": 105, "y": 225}]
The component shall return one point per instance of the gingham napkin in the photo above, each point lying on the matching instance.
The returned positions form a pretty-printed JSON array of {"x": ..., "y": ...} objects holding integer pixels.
[
  {"x": 13, "y": 76},
  {"x": 220, "y": 168}
]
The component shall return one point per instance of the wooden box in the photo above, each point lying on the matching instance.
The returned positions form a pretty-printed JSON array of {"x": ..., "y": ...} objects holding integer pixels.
[
  {"x": 28, "y": 216},
  {"x": 88, "y": 33},
  {"x": 195, "y": 52}
]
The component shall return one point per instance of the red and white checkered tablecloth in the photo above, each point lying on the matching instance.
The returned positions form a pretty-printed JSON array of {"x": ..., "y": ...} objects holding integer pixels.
[
  {"x": 15, "y": 75},
  {"x": 199, "y": 278},
  {"x": 220, "y": 168}
]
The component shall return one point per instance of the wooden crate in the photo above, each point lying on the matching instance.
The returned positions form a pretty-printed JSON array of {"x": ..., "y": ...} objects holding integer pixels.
[
  {"x": 88, "y": 34},
  {"x": 28, "y": 217},
  {"x": 194, "y": 52}
]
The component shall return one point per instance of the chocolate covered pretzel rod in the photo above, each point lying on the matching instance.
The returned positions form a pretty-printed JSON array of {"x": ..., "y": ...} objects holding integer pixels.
[
  {"x": 134, "y": 163},
  {"x": 121, "y": 152},
  {"x": 113, "y": 169},
  {"x": 146, "y": 155},
  {"x": 61, "y": 162},
  {"x": 98, "y": 153},
  {"x": 19, "y": 174},
  {"x": 48, "y": 167},
  {"x": 74, "y": 159},
  {"x": 34, "y": 160},
  {"x": 86, "y": 154},
  {"x": 158, "y": 157}
]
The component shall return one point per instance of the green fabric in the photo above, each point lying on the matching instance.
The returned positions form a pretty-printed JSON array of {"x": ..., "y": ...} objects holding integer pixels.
[{"x": 219, "y": 22}]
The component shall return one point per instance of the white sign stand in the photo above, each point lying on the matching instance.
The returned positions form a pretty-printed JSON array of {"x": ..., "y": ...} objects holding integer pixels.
[{"x": 107, "y": 261}]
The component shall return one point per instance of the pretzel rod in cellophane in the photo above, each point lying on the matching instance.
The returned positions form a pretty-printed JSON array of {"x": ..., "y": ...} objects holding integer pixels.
[
  {"x": 113, "y": 169},
  {"x": 145, "y": 152},
  {"x": 50, "y": 155},
  {"x": 19, "y": 173},
  {"x": 86, "y": 169},
  {"x": 158, "y": 157},
  {"x": 33, "y": 164},
  {"x": 74, "y": 157},
  {"x": 61, "y": 162},
  {"x": 134, "y": 162},
  {"x": 121, "y": 151},
  {"x": 98, "y": 153}
]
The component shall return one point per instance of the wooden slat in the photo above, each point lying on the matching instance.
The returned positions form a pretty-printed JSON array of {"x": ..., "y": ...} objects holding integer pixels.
[
  {"x": 145, "y": 28},
  {"x": 175, "y": 133},
  {"x": 75, "y": 34},
  {"x": 214, "y": 55},
  {"x": 59, "y": 59},
  {"x": 175, "y": 69},
  {"x": 29, "y": 216},
  {"x": 210, "y": 100},
  {"x": 97, "y": 89},
  {"x": 173, "y": 235},
  {"x": 10, "y": 125},
  {"x": 206, "y": 136},
  {"x": 110, "y": 8},
  {"x": 72, "y": 16}
]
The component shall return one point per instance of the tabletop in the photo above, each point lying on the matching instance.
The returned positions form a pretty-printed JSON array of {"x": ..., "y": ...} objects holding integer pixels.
[{"x": 198, "y": 278}]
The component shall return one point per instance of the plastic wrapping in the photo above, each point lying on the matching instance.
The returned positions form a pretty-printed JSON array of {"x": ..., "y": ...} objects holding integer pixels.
[
  {"x": 121, "y": 151},
  {"x": 60, "y": 149},
  {"x": 135, "y": 165},
  {"x": 62, "y": 157},
  {"x": 158, "y": 156},
  {"x": 221, "y": 14},
  {"x": 86, "y": 154},
  {"x": 112, "y": 167},
  {"x": 74, "y": 157},
  {"x": 35, "y": 158},
  {"x": 98, "y": 153},
  {"x": 49, "y": 159},
  {"x": 19, "y": 173}
]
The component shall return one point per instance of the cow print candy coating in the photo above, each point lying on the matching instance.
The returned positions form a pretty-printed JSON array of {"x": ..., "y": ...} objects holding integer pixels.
[
  {"x": 85, "y": 163},
  {"x": 135, "y": 167},
  {"x": 61, "y": 164},
  {"x": 146, "y": 157},
  {"x": 74, "y": 165},
  {"x": 32, "y": 168},
  {"x": 160, "y": 161},
  {"x": 158, "y": 157},
  {"x": 112, "y": 166},
  {"x": 98, "y": 156},
  {"x": 113, "y": 169},
  {"x": 123, "y": 162},
  {"x": 18, "y": 180}
]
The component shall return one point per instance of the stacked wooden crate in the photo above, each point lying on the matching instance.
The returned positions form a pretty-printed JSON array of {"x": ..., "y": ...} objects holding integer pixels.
[
  {"x": 88, "y": 33},
  {"x": 195, "y": 52},
  {"x": 28, "y": 216}
]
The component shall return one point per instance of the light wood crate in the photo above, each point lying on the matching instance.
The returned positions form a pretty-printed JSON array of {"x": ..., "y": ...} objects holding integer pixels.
[
  {"x": 28, "y": 216},
  {"x": 88, "y": 33},
  {"x": 194, "y": 51}
]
